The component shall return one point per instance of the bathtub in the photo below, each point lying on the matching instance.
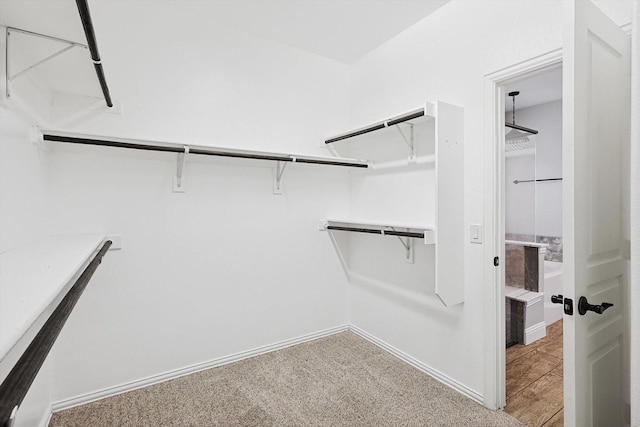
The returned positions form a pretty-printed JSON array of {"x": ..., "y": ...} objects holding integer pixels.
[{"x": 552, "y": 286}]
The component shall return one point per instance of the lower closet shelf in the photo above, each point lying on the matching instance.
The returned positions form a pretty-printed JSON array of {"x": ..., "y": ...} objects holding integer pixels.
[
  {"x": 34, "y": 277},
  {"x": 382, "y": 228}
]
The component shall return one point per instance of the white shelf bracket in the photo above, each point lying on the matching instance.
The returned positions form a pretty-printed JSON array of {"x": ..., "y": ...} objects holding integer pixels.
[
  {"x": 407, "y": 242},
  {"x": 8, "y": 76},
  {"x": 178, "y": 183},
  {"x": 409, "y": 141},
  {"x": 277, "y": 181}
]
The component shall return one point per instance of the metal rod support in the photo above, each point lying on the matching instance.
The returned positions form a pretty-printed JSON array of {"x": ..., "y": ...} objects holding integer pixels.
[
  {"x": 204, "y": 152},
  {"x": 48, "y": 58},
  {"x": 87, "y": 24},
  {"x": 45, "y": 36},
  {"x": 377, "y": 126},
  {"x": 16, "y": 385},
  {"x": 8, "y": 76}
]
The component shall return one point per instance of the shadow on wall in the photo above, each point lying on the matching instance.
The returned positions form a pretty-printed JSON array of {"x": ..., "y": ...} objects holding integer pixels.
[{"x": 378, "y": 264}]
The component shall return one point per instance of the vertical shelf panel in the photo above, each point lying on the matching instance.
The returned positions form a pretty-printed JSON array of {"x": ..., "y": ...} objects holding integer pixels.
[{"x": 449, "y": 203}]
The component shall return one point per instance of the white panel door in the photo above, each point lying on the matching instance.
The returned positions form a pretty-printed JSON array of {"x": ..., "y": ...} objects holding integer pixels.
[{"x": 596, "y": 77}]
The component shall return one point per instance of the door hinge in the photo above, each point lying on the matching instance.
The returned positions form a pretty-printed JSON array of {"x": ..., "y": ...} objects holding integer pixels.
[{"x": 496, "y": 261}]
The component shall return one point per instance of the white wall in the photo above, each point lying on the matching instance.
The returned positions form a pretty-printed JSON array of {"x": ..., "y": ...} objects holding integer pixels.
[
  {"x": 22, "y": 183},
  {"x": 225, "y": 267},
  {"x": 520, "y": 199},
  {"x": 536, "y": 209},
  {"x": 444, "y": 57}
]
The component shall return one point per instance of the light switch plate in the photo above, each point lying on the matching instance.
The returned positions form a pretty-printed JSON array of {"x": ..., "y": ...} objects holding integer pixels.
[{"x": 475, "y": 233}]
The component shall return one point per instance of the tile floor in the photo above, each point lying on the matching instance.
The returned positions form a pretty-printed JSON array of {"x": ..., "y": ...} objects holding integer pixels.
[{"x": 534, "y": 380}]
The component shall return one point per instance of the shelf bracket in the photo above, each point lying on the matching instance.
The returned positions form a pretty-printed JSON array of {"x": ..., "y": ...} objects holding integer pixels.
[
  {"x": 178, "y": 183},
  {"x": 407, "y": 242},
  {"x": 409, "y": 141},
  {"x": 8, "y": 76},
  {"x": 277, "y": 181}
]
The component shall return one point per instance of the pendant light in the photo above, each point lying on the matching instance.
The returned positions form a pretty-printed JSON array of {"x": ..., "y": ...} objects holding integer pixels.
[{"x": 519, "y": 137}]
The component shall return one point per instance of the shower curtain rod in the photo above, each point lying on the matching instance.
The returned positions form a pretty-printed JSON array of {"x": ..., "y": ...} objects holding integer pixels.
[
  {"x": 416, "y": 235},
  {"x": 377, "y": 126},
  {"x": 537, "y": 180},
  {"x": 55, "y": 136},
  {"x": 87, "y": 24}
]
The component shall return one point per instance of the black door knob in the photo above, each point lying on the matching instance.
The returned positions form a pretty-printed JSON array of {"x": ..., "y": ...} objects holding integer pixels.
[{"x": 584, "y": 306}]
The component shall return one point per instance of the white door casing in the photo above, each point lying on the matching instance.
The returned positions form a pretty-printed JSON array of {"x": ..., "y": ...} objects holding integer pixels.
[{"x": 596, "y": 97}]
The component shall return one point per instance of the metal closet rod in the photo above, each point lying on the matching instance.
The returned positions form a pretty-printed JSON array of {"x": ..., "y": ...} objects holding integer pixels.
[
  {"x": 203, "y": 151},
  {"x": 16, "y": 385},
  {"x": 87, "y": 24},
  {"x": 417, "y": 235},
  {"x": 378, "y": 126}
]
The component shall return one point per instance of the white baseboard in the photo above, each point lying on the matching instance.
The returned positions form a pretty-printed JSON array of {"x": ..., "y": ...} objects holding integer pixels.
[
  {"x": 145, "y": 382},
  {"x": 445, "y": 379},
  {"x": 46, "y": 419},
  {"x": 535, "y": 332}
]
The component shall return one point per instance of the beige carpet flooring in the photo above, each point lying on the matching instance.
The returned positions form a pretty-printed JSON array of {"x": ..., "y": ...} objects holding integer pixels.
[{"x": 340, "y": 380}]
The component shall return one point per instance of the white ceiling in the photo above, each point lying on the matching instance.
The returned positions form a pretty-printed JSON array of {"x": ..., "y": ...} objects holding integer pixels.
[
  {"x": 343, "y": 30},
  {"x": 538, "y": 89}
]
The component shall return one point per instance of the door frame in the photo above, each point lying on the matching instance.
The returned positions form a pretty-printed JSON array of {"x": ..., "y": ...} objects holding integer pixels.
[{"x": 494, "y": 214}]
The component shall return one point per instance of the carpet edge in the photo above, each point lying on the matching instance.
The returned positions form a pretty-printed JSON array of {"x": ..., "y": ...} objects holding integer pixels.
[
  {"x": 443, "y": 378},
  {"x": 181, "y": 372}
]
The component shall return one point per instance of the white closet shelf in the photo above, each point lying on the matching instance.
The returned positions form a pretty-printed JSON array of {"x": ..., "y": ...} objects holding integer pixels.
[
  {"x": 35, "y": 276},
  {"x": 381, "y": 227},
  {"x": 446, "y": 129},
  {"x": 172, "y": 147},
  {"x": 427, "y": 110}
]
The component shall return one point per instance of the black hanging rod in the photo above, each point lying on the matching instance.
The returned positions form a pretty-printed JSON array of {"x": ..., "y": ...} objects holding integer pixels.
[
  {"x": 521, "y": 128},
  {"x": 87, "y": 24},
  {"x": 537, "y": 180},
  {"x": 16, "y": 385},
  {"x": 201, "y": 151},
  {"x": 417, "y": 235},
  {"x": 377, "y": 126}
]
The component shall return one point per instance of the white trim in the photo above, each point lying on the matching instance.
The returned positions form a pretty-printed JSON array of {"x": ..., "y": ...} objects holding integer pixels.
[
  {"x": 443, "y": 378},
  {"x": 167, "y": 376},
  {"x": 47, "y": 419},
  {"x": 495, "y": 392},
  {"x": 535, "y": 332},
  {"x": 170, "y": 375}
]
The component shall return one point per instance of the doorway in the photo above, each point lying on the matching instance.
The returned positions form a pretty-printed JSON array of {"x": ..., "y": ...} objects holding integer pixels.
[{"x": 532, "y": 273}]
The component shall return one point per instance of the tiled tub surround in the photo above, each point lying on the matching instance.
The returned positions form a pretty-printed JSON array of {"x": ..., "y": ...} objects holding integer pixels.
[
  {"x": 525, "y": 265},
  {"x": 524, "y": 292},
  {"x": 554, "y": 244}
]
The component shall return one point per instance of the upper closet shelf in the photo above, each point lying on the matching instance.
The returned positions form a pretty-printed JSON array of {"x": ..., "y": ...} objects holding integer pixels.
[
  {"x": 34, "y": 277},
  {"x": 426, "y": 110},
  {"x": 33, "y": 54},
  {"x": 182, "y": 150},
  {"x": 73, "y": 138}
]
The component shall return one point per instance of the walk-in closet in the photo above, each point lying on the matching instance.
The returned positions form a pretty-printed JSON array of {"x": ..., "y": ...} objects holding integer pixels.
[{"x": 280, "y": 212}]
